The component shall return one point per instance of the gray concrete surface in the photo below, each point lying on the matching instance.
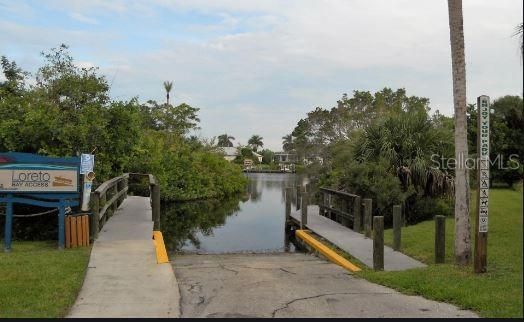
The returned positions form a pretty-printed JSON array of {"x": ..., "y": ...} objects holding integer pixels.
[
  {"x": 289, "y": 285},
  {"x": 123, "y": 278},
  {"x": 354, "y": 243}
]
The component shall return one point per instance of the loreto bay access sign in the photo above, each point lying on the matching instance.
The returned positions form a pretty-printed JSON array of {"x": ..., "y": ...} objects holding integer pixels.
[
  {"x": 41, "y": 181},
  {"x": 21, "y": 172}
]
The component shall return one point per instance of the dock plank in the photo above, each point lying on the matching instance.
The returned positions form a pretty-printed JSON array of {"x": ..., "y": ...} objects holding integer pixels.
[{"x": 354, "y": 243}]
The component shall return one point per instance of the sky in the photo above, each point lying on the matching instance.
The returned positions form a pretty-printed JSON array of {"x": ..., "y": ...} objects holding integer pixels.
[{"x": 257, "y": 67}]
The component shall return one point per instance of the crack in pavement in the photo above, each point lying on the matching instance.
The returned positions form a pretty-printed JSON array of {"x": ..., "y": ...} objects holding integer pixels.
[
  {"x": 228, "y": 269},
  {"x": 320, "y": 295}
]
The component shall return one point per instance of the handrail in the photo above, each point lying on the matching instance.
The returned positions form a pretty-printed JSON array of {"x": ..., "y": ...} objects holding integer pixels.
[
  {"x": 116, "y": 190},
  {"x": 338, "y": 192},
  {"x": 349, "y": 212}
]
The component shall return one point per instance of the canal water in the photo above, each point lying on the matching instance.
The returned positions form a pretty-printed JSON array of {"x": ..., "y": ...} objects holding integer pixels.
[{"x": 250, "y": 222}]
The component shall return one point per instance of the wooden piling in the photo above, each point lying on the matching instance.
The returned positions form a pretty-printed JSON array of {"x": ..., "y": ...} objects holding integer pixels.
[
  {"x": 155, "y": 191},
  {"x": 357, "y": 219},
  {"x": 289, "y": 191},
  {"x": 95, "y": 209},
  {"x": 440, "y": 239},
  {"x": 368, "y": 203},
  {"x": 378, "y": 243},
  {"x": 299, "y": 188},
  {"x": 397, "y": 223},
  {"x": 303, "y": 220}
]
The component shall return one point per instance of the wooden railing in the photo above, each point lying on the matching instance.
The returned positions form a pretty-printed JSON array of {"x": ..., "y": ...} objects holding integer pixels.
[
  {"x": 342, "y": 207},
  {"x": 106, "y": 199}
]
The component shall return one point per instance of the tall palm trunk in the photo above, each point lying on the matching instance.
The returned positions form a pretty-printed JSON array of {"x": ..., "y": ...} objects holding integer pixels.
[
  {"x": 462, "y": 222},
  {"x": 167, "y": 98}
]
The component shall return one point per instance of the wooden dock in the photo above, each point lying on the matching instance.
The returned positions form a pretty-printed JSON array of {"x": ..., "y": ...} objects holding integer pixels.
[{"x": 352, "y": 242}]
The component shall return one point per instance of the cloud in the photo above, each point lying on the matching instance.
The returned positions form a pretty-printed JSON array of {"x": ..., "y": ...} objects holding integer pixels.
[
  {"x": 82, "y": 18},
  {"x": 260, "y": 66}
]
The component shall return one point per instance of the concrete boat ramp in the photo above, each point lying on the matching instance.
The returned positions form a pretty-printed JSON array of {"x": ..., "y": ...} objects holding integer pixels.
[{"x": 124, "y": 280}]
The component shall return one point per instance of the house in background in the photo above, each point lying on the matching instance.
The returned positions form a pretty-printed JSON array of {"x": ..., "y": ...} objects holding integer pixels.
[
  {"x": 285, "y": 157},
  {"x": 230, "y": 153},
  {"x": 258, "y": 156}
]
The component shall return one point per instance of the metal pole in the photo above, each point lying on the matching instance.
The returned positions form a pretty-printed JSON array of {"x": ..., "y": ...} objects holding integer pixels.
[{"x": 61, "y": 224}]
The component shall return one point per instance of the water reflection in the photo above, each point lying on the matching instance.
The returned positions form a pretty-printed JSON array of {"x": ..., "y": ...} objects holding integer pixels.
[{"x": 251, "y": 222}]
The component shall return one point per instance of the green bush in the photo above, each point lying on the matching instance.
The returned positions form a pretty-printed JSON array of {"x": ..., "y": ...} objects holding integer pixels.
[{"x": 426, "y": 208}]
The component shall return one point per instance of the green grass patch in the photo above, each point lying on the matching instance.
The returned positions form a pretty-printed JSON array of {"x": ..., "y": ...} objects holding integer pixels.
[
  {"x": 38, "y": 280},
  {"x": 497, "y": 293}
]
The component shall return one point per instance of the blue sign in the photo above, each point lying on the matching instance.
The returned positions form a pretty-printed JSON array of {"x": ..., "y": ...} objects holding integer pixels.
[{"x": 39, "y": 181}]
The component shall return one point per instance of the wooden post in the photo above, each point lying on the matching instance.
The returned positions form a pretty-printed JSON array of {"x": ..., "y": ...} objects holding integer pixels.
[
  {"x": 368, "y": 203},
  {"x": 80, "y": 231},
  {"x": 397, "y": 223},
  {"x": 74, "y": 238},
  {"x": 321, "y": 209},
  {"x": 344, "y": 206},
  {"x": 287, "y": 220},
  {"x": 95, "y": 209},
  {"x": 289, "y": 191},
  {"x": 303, "y": 220},
  {"x": 332, "y": 215},
  {"x": 86, "y": 222},
  {"x": 103, "y": 201},
  {"x": 440, "y": 239},
  {"x": 481, "y": 221},
  {"x": 298, "y": 197},
  {"x": 156, "y": 207},
  {"x": 357, "y": 219},
  {"x": 378, "y": 243},
  {"x": 114, "y": 191}
]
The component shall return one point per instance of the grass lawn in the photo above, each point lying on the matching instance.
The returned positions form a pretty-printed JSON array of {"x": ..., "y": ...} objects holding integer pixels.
[
  {"x": 497, "y": 293},
  {"x": 38, "y": 280}
]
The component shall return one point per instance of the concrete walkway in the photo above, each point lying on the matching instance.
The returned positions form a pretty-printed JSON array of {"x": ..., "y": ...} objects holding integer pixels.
[
  {"x": 123, "y": 278},
  {"x": 290, "y": 285},
  {"x": 354, "y": 243}
]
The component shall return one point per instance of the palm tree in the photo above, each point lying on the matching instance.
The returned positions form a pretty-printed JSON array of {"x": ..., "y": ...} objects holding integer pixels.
[
  {"x": 224, "y": 140},
  {"x": 255, "y": 142},
  {"x": 168, "y": 86},
  {"x": 519, "y": 31},
  {"x": 462, "y": 223},
  {"x": 287, "y": 143}
]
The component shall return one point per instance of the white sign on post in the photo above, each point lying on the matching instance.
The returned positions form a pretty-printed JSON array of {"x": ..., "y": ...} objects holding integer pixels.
[
  {"x": 483, "y": 151},
  {"x": 87, "y": 162}
]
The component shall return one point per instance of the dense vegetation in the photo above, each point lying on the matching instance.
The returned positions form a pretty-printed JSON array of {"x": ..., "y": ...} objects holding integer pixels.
[
  {"x": 387, "y": 146},
  {"x": 68, "y": 111}
]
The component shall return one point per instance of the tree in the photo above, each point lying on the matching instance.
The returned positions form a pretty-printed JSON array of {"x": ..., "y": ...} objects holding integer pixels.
[
  {"x": 168, "y": 86},
  {"x": 506, "y": 148},
  {"x": 519, "y": 31},
  {"x": 462, "y": 222},
  {"x": 287, "y": 142},
  {"x": 256, "y": 142},
  {"x": 224, "y": 140}
]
